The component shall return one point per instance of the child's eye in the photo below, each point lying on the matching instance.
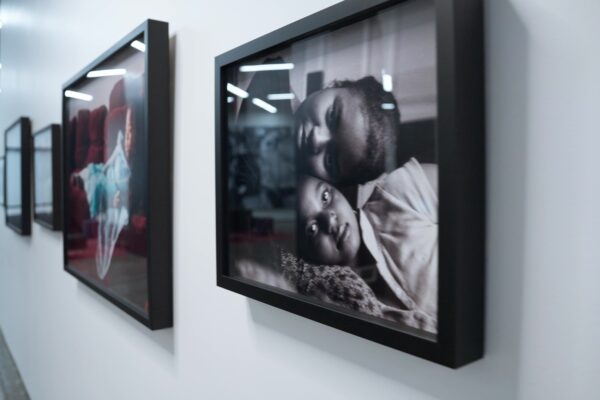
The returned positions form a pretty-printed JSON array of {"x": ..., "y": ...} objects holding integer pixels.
[
  {"x": 313, "y": 229},
  {"x": 333, "y": 114},
  {"x": 326, "y": 197}
]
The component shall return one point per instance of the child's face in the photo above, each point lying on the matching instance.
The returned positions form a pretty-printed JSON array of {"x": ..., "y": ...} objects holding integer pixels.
[
  {"x": 328, "y": 228},
  {"x": 331, "y": 134}
]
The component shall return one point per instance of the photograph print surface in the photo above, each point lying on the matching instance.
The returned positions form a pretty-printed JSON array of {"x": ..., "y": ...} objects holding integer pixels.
[
  {"x": 332, "y": 189},
  {"x": 46, "y": 177},
  {"x": 17, "y": 195},
  {"x": 107, "y": 179}
]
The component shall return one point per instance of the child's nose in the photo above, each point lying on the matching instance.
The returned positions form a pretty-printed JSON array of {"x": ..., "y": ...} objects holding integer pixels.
[{"x": 331, "y": 222}]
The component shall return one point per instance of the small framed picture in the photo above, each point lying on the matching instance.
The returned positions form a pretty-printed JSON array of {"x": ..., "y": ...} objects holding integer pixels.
[
  {"x": 116, "y": 151},
  {"x": 17, "y": 172},
  {"x": 47, "y": 177},
  {"x": 350, "y": 172}
]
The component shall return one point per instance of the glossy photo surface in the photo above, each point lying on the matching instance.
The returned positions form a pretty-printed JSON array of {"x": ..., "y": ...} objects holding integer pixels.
[
  {"x": 13, "y": 185},
  {"x": 43, "y": 177},
  {"x": 332, "y": 188},
  {"x": 106, "y": 176}
]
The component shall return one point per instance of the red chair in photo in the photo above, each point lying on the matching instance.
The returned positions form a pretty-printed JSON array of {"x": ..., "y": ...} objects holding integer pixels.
[{"x": 96, "y": 136}]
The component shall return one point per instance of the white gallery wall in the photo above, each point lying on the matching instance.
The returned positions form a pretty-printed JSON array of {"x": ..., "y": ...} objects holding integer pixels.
[{"x": 543, "y": 271}]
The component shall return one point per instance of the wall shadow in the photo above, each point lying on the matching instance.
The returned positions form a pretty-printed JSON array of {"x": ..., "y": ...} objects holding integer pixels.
[
  {"x": 164, "y": 338},
  {"x": 496, "y": 376}
]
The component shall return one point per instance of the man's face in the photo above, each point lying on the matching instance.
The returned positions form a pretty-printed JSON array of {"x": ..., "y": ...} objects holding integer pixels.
[
  {"x": 327, "y": 226},
  {"x": 332, "y": 134}
]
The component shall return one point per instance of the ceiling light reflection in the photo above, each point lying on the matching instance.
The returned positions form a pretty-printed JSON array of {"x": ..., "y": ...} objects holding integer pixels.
[
  {"x": 136, "y": 44},
  {"x": 386, "y": 81},
  {"x": 264, "y": 105},
  {"x": 388, "y": 106},
  {"x": 78, "y": 95},
  {"x": 99, "y": 73},
  {"x": 237, "y": 91},
  {"x": 281, "y": 96},
  {"x": 266, "y": 67}
]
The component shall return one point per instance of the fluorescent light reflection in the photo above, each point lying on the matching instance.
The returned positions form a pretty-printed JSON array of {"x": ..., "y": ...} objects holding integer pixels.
[
  {"x": 388, "y": 106},
  {"x": 281, "y": 96},
  {"x": 237, "y": 91},
  {"x": 266, "y": 67},
  {"x": 78, "y": 95},
  {"x": 136, "y": 44},
  {"x": 386, "y": 81},
  {"x": 264, "y": 105},
  {"x": 230, "y": 99},
  {"x": 99, "y": 73}
]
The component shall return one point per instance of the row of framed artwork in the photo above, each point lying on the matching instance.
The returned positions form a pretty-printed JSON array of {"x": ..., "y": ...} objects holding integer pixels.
[
  {"x": 349, "y": 173},
  {"x": 92, "y": 178},
  {"x": 27, "y": 155}
]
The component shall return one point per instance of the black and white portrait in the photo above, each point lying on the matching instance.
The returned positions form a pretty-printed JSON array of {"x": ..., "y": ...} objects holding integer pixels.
[{"x": 332, "y": 167}]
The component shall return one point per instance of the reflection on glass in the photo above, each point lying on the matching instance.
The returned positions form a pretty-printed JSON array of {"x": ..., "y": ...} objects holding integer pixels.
[
  {"x": 100, "y": 73},
  {"x": 42, "y": 159},
  {"x": 138, "y": 45},
  {"x": 237, "y": 91},
  {"x": 332, "y": 190},
  {"x": 107, "y": 181},
  {"x": 78, "y": 95},
  {"x": 266, "y": 67}
]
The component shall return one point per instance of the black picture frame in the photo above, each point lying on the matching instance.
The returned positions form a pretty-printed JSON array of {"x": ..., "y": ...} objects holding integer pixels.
[
  {"x": 461, "y": 158},
  {"x": 50, "y": 220},
  {"x": 157, "y": 169},
  {"x": 21, "y": 223}
]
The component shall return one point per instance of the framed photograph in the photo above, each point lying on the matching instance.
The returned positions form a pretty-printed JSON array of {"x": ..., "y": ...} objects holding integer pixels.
[
  {"x": 17, "y": 172},
  {"x": 350, "y": 173},
  {"x": 116, "y": 151},
  {"x": 46, "y": 177}
]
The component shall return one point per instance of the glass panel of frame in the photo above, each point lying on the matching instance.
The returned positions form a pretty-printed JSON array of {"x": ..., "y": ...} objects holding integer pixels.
[
  {"x": 332, "y": 168},
  {"x": 107, "y": 177},
  {"x": 13, "y": 176},
  {"x": 16, "y": 153},
  {"x": 43, "y": 176}
]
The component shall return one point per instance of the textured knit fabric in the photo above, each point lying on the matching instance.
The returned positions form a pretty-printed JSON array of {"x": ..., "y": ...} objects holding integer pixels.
[{"x": 341, "y": 286}]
